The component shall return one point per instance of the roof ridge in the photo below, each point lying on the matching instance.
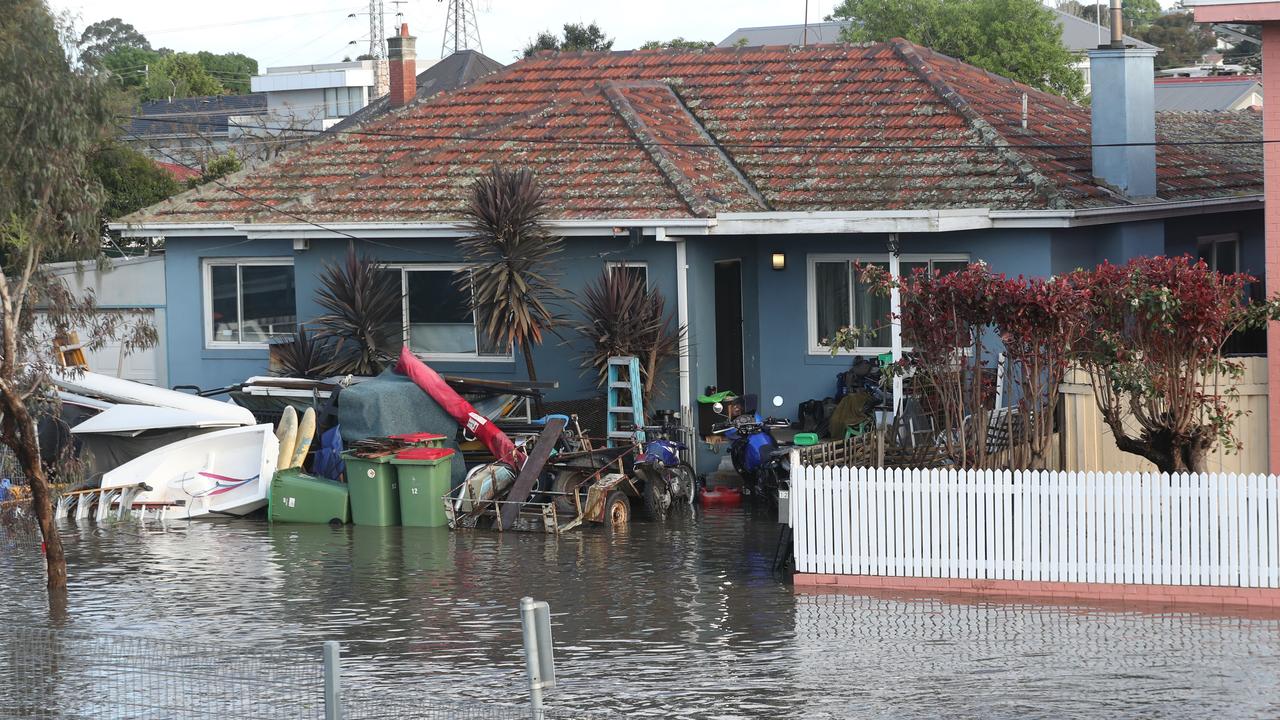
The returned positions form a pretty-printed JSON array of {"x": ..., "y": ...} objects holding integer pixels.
[
  {"x": 979, "y": 124},
  {"x": 684, "y": 186}
]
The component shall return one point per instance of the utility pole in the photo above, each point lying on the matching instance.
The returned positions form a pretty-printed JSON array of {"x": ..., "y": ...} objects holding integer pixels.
[{"x": 461, "y": 32}]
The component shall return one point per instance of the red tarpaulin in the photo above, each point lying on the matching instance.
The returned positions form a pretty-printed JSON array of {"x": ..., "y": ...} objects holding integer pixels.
[{"x": 475, "y": 424}]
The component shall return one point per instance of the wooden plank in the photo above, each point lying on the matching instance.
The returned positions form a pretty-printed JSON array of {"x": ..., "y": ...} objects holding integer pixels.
[{"x": 533, "y": 465}]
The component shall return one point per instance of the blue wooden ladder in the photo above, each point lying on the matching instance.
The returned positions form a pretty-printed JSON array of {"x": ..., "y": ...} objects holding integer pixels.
[{"x": 624, "y": 376}]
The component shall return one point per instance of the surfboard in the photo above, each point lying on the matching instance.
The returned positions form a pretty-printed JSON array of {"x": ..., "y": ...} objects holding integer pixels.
[
  {"x": 306, "y": 432},
  {"x": 287, "y": 434}
]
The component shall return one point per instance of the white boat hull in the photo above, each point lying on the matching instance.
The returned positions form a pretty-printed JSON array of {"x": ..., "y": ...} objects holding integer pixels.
[{"x": 227, "y": 472}]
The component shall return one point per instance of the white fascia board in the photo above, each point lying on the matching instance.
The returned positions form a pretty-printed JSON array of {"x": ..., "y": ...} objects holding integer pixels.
[
  {"x": 1126, "y": 213},
  {"x": 873, "y": 221},
  {"x": 405, "y": 230}
]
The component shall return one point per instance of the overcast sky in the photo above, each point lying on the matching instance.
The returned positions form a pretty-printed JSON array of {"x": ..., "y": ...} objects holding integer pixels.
[
  {"x": 295, "y": 32},
  {"x": 298, "y": 32}
]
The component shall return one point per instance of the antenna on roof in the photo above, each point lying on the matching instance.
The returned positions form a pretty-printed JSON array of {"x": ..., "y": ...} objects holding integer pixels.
[
  {"x": 461, "y": 32},
  {"x": 804, "y": 37}
]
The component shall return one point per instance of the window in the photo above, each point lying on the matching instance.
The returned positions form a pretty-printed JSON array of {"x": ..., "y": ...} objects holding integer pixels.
[
  {"x": 837, "y": 298},
  {"x": 636, "y": 269},
  {"x": 437, "y": 318},
  {"x": 341, "y": 102},
  {"x": 248, "y": 302},
  {"x": 1220, "y": 252}
]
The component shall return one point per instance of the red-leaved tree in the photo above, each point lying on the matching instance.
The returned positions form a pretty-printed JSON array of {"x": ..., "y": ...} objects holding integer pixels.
[{"x": 1152, "y": 346}]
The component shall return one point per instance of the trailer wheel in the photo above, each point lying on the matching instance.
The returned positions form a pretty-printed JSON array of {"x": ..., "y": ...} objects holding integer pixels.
[
  {"x": 617, "y": 511},
  {"x": 567, "y": 481}
]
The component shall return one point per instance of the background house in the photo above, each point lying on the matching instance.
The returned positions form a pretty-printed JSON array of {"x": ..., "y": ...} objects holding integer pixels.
[
  {"x": 1078, "y": 35},
  {"x": 1230, "y": 92},
  {"x": 743, "y": 183},
  {"x": 191, "y": 130}
]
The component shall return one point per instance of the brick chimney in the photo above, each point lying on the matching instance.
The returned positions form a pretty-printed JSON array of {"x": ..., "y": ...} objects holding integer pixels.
[
  {"x": 1123, "y": 109},
  {"x": 404, "y": 71}
]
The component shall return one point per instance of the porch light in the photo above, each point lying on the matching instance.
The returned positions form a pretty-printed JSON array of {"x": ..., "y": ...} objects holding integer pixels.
[{"x": 779, "y": 261}]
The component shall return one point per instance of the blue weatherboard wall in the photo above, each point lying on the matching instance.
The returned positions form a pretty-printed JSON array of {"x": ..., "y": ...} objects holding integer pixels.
[{"x": 583, "y": 260}]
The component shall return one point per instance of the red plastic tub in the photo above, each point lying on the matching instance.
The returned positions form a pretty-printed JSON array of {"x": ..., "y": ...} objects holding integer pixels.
[{"x": 721, "y": 496}]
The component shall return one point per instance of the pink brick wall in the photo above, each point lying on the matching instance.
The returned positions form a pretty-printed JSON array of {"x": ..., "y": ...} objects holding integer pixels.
[
  {"x": 1271, "y": 161},
  {"x": 1264, "y": 599}
]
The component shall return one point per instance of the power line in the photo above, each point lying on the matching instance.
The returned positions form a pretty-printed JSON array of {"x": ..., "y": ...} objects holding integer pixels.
[{"x": 814, "y": 147}]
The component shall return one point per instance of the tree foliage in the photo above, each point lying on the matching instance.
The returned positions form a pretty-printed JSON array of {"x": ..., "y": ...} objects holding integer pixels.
[
  {"x": 217, "y": 168},
  {"x": 1183, "y": 40},
  {"x": 1019, "y": 39},
  {"x": 621, "y": 317},
  {"x": 130, "y": 180},
  {"x": 106, "y": 37},
  {"x": 232, "y": 70},
  {"x": 1152, "y": 345},
  {"x": 55, "y": 117},
  {"x": 677, "y": 44},
  {"x": 576, "y": 37},
  {"x": 180, "y": 75},
  {"x": 511, "y": 256}
]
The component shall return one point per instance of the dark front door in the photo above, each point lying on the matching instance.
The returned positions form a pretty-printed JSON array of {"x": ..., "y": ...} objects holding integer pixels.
[{"x": 729, "y": 326}]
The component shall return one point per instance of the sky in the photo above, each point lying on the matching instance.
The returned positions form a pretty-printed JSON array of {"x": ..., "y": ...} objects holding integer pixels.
[{"x": 297, "y": 32}]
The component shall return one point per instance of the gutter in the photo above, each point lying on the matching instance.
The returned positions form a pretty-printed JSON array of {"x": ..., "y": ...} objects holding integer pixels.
[
  {"x": 402, "y": 230},
  {"x": 753, "y": 223}
]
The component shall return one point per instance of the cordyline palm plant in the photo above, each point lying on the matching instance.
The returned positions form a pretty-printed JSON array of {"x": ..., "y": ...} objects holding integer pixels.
[
  {"x": 305, "y": 356},
  {"x": 509, "y": 253},
  {"x": 362, "y": 319},
  {"x": 621, "y": 317}
]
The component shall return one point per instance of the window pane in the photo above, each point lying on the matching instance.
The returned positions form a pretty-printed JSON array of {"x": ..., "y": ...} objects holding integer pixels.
[
  {"x": 872, "y": 311},
  {"x": 268, "y": 299},
  {"x": 1226, "y": 252},
  {"x": 225, "y": 311},
  {"x": 947, "y": 266},
  {"x": 439, "y": 314},
  {"x": 831, "y": 294},
  {"x": 639, "y": 272},
  {"x": 330, "y": 102}
]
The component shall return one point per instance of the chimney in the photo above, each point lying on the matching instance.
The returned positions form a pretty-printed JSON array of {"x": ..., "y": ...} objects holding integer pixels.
[
  {"x": 1123, "y": 109},
  {"x": 404, "y": 72}
]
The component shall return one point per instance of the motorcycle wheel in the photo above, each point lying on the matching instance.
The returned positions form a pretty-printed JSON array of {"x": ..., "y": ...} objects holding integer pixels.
[
  {"x": 656, "y": 494},
  {"x": 684, "y": 483}
]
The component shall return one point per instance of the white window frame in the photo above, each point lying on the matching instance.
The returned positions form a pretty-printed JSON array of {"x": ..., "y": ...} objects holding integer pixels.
[
  {"x": 895, "y": 328},
  {"x": 206, "y": 267},
  {"x": 1215, "y": 241},
  {"x": 404, "y": 269},
  {"x": 614, "y": 265}
]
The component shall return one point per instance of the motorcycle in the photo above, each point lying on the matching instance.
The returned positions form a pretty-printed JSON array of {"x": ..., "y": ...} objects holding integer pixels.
[
  {"x": 763, "y": 466},
  {"x": 665, "y": 478}
]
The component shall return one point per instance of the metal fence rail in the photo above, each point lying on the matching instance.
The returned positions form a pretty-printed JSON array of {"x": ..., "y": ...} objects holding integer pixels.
[{"x": 67, "y": 674}]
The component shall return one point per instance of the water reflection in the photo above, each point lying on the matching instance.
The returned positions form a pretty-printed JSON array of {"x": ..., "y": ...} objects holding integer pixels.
[{"x": 683, "y": 619}]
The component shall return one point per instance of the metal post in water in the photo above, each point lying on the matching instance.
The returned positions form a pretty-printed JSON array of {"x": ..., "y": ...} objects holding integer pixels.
[
  {"x": 535, "y": 621},
  {"x": 332, "y": 680}
]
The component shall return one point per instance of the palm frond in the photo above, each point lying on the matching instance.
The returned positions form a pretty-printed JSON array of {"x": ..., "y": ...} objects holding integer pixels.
[{"x": 363, "y": 314}]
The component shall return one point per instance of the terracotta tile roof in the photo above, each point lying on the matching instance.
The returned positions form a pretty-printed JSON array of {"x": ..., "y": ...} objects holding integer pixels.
[{"x": 667, "y": 134}]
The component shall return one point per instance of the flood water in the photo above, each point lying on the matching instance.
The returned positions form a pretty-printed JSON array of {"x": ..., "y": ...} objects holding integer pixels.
[{"x": 680, "y": 619}]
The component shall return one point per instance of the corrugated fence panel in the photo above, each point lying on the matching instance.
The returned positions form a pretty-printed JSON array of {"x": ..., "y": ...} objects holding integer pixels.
[{"x": 1208, "y": 529}]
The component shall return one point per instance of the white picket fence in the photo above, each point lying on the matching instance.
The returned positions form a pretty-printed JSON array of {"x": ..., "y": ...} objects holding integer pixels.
[{"x": 1208, "y": 529}]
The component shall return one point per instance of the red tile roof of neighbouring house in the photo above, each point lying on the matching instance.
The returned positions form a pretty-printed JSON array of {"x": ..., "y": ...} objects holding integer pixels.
[
  {"x": 676, "y": 134},
  {"x": 181, "y": 173}
]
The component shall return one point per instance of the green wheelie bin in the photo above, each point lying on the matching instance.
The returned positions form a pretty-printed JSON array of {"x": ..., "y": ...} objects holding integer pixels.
[
  {"x": 372, "y": 484},
  {"x": 424, "y": 476},
  {"x": 297, "y": 497}
]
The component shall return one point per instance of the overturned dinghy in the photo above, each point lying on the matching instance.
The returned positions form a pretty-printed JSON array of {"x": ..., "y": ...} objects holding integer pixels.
[{"x": 227, "y": 472}]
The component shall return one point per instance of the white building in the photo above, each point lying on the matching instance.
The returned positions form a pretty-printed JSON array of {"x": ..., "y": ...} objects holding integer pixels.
[{"x": 309, "y": 97}]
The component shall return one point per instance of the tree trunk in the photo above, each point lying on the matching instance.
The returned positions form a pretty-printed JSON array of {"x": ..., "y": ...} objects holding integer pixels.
[
  {"x": 25, "y": 445},
  {"x": 533, "y": 376}
]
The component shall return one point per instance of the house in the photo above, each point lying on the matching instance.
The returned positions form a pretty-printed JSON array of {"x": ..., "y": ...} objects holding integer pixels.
[
  {"x": 743, "y": 183},
  {"x": 458, "y": 70},
  {"x": 189, "y": 131},
  {"x": 1219, "y": 93},
  {"x": 1078, "y": 35},
  {"x": 1266, "y": 14},
  {"x": 309, "y": 98}
]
